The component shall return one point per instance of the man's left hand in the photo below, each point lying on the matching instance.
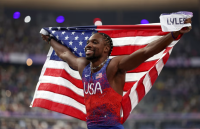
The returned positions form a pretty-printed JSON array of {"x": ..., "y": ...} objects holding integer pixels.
[{"x": 186, "y": 29}]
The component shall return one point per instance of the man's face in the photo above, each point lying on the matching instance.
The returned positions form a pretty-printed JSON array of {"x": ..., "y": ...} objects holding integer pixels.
[{"x": 95, "y": 46}]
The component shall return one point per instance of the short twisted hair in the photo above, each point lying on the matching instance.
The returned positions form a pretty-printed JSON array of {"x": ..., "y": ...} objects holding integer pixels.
[{"x": 108, "y": 41}]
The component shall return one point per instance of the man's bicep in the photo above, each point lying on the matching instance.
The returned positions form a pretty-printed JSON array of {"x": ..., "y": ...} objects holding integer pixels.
[
  {"x": 130, "y": 62},
  {"x": 70, "y": 58}
]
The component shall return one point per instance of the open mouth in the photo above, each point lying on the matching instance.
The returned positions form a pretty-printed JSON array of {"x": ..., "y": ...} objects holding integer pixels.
[{"x": 89, "y": 52}]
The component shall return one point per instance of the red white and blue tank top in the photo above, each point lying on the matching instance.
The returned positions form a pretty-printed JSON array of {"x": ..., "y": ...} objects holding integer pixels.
[{"x": 103, "y": 104}]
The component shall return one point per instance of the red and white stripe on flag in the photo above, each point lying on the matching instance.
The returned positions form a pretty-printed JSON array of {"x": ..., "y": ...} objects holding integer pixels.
[{"x": 60, "y": 88}]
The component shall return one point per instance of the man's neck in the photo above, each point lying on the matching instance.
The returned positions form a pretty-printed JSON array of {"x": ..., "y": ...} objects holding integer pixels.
[{"x": 97, "y": 64}]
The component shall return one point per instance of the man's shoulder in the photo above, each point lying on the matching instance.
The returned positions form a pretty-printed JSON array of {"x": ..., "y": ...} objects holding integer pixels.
[{"x": 114, "y": 62}]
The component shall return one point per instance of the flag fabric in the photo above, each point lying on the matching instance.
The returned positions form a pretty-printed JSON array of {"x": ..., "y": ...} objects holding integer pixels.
[{"x": 60, "y": 87}]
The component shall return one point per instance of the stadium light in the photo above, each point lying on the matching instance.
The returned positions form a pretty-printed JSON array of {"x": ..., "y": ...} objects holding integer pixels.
[
  {"x": 60, "y": 19},
  {"x": 144, "y": 21},
  {"x": 16, "y": 15},
  {"x": 27, "y": 19},
  {"x": 29, "y": 62}
]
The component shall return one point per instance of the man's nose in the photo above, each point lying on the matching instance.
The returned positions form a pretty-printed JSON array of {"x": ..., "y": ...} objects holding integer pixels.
[{"x": 89, "y": 45}]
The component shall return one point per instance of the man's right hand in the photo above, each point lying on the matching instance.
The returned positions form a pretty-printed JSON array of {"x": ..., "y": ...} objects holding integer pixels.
[{"x": 45, "y": 37}]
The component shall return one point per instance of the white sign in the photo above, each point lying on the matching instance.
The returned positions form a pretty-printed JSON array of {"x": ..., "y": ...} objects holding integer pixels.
[{"x": 174, "y": 21}]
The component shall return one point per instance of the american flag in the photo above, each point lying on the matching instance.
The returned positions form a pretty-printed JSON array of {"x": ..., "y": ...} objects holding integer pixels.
[
  {"x": 99, "y": 75},
  {"x": 60, "y": 87}
]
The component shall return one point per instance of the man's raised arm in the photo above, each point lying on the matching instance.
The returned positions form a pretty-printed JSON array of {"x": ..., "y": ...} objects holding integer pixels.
[
  {"x": 130, "y": 62},
  {"x": 65, "y": 54}
]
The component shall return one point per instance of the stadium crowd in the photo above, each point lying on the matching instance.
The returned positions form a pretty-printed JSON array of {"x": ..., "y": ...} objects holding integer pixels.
[
  {"x": 18, "y": 84},
  {"x": 21, "y": 38},
  {"x": 175, "y": 91}
]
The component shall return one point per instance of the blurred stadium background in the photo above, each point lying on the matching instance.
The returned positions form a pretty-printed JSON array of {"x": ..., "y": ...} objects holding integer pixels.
[{"x": 172, "y": 103}]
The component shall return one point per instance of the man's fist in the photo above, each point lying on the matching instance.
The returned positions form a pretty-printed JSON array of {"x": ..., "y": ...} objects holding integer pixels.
[
  {"x": 186, "y": 29},
  {"x": 45, "y": 37}
]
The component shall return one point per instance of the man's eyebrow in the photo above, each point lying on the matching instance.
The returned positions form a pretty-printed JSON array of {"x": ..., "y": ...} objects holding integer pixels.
[{"x": 92, "y": 40}]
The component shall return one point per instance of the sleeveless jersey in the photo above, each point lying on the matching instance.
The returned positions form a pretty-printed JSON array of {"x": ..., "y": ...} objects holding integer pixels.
[{"x": 103, "y": 104}]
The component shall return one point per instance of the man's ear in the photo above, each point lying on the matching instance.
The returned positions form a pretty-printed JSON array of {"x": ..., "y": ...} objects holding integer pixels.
[{"x": 106, "y": 48}]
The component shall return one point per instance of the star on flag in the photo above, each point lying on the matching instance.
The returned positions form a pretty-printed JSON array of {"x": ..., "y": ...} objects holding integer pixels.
[{"x": 86, "y": 38}]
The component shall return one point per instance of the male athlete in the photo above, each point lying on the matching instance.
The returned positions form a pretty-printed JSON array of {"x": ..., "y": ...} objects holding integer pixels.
[{"x": 104, "y": 78}]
